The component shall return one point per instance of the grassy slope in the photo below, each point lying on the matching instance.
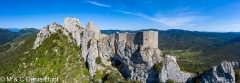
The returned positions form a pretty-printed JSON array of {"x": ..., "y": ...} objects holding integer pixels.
[{"x": 55, "y": 57}]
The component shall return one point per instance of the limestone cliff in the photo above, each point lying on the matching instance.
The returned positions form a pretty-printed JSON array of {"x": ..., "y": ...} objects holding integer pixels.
[
  {"x": 72, "y": 25},
  {"x": 136, "y": 62},
  {"x": 171, "y": 70},
  {"x": 132, "y": 61},
  {"x": 224, "y": 73},
  {"x": 45, "y": 33}
]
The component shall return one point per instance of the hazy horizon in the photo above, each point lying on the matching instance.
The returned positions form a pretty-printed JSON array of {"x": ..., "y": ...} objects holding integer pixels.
[
  {"x": 205, "y": 15},
  {"x": 17, "y": 29}
]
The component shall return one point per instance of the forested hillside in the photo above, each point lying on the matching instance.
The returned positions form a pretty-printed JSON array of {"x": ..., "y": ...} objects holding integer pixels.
[{"x": 6, "y": 35}]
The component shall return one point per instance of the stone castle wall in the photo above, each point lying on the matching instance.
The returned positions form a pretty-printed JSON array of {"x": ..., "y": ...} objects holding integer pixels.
[
  {"x": 130, "y": 38},
  {"x": 121, "y": 36},
  {"x": 139, "y": 38},
  {"x": 152, "y": 38},
  {"x": 144, "y": 38}
]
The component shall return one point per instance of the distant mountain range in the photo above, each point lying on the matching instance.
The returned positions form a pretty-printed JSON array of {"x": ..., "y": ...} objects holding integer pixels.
[
  {"x": 14, "y": 29},
  {"x": 7, "y": 35},
  {"x": 169, "y": 30}
]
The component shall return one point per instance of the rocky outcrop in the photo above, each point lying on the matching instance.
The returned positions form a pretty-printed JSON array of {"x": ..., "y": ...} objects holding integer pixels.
[
  {"x": 72, "y": 25},
  {"x": 171, "y": 70},
  {"x": 91, "y": 58},
  {"x": 106, "y": 48},
  {"x": 223, "y": 73},
  {"x": 132, "y": 61},
  {"x": 45, "y": 33},
  {"x": 89, "y": 47},
  {"x": 89, "y": 33},
  {"x": 136, "y": 62}
]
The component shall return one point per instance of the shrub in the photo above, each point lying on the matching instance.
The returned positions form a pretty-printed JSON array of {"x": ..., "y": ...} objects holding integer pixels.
[
  {"x": 98, "y": 60},
  {"x": 170, "y": 81},
  {"x": 99, "y": 75},
  {"x": 85, "y": 71},
  {"x": 130, "y": 81},
  {"x": 112, "y": 77},
  {"x": 108, "y": 60},
  {"x": 81, "y": 35},
  {"x": 78, "y": 26},
  {"x": 163, "y": 54},
  {"x": 196, "y": 79},
  {"x": 237, "y": 75},
  {"x": 157, "y": 67},
  {"x": 89, "y": 43},
  {"x": 70, "y": 34}
]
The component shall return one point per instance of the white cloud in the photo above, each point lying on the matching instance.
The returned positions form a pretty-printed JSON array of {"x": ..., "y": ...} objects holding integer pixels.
[
  {"x": 169, "y": 21},
  {"x": 98, "y": 4}
]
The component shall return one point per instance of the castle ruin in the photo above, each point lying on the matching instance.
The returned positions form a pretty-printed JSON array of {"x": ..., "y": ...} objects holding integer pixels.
[{"x": 144, "y": 38}]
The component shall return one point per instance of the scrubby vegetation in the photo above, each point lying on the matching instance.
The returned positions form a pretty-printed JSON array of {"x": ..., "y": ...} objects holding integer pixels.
[
  {"x": 157, "y": 67},
  {"x": 189, "y": 61},
  {"x": 80, "y": 27},
  {"x": 89, "y": 43},
  {"x": 163, "y": 54},
  {"x": 98, "y": 60},
  {"x": 237, "y": 75},
  {"x": 170, "y": 81},
  {"x": 111, "y": 77},
  {"x": 55, "y": 57},
  {"x": 99, "y": 75}
]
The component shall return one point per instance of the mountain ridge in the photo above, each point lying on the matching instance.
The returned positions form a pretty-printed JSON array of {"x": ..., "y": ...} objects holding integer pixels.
[{"x": 86, "y": 55}]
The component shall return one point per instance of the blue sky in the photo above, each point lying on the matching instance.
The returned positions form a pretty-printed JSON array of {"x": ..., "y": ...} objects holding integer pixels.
[{"x": 194, "y": 15}]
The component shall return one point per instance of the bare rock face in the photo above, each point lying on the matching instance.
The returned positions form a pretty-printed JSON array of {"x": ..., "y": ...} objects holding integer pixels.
[
  {"x": 132, "y": 61},
  {"x": 136, "y": 62},
  {"x": 223, "y": 73},
  {"x": 45, "y": 33},
  {"x": 171, "y": 70},
  {"x": 106, "y": 48},
  {"x": 72, "y": 25},
  {"x": 90, "y": 48},
  {"x": 91, "y": 58},
  {"x": 235, "y": 65},
  {"x": 89, "y": 33}
]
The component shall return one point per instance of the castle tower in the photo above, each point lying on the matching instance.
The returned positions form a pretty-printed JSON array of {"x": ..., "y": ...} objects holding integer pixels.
[
  {"x": 148, "y": 38},
  {"x": 144, "y": 38},
  {"x": 121, "y": 37},
  {"x": 90, "y": 25}
]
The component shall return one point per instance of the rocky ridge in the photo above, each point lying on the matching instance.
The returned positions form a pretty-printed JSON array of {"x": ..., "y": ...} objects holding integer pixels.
[
  {"x": 132, "y": 61},
  {"x": 137, "y": 62},
  {"x": 45, "y": 32}
]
